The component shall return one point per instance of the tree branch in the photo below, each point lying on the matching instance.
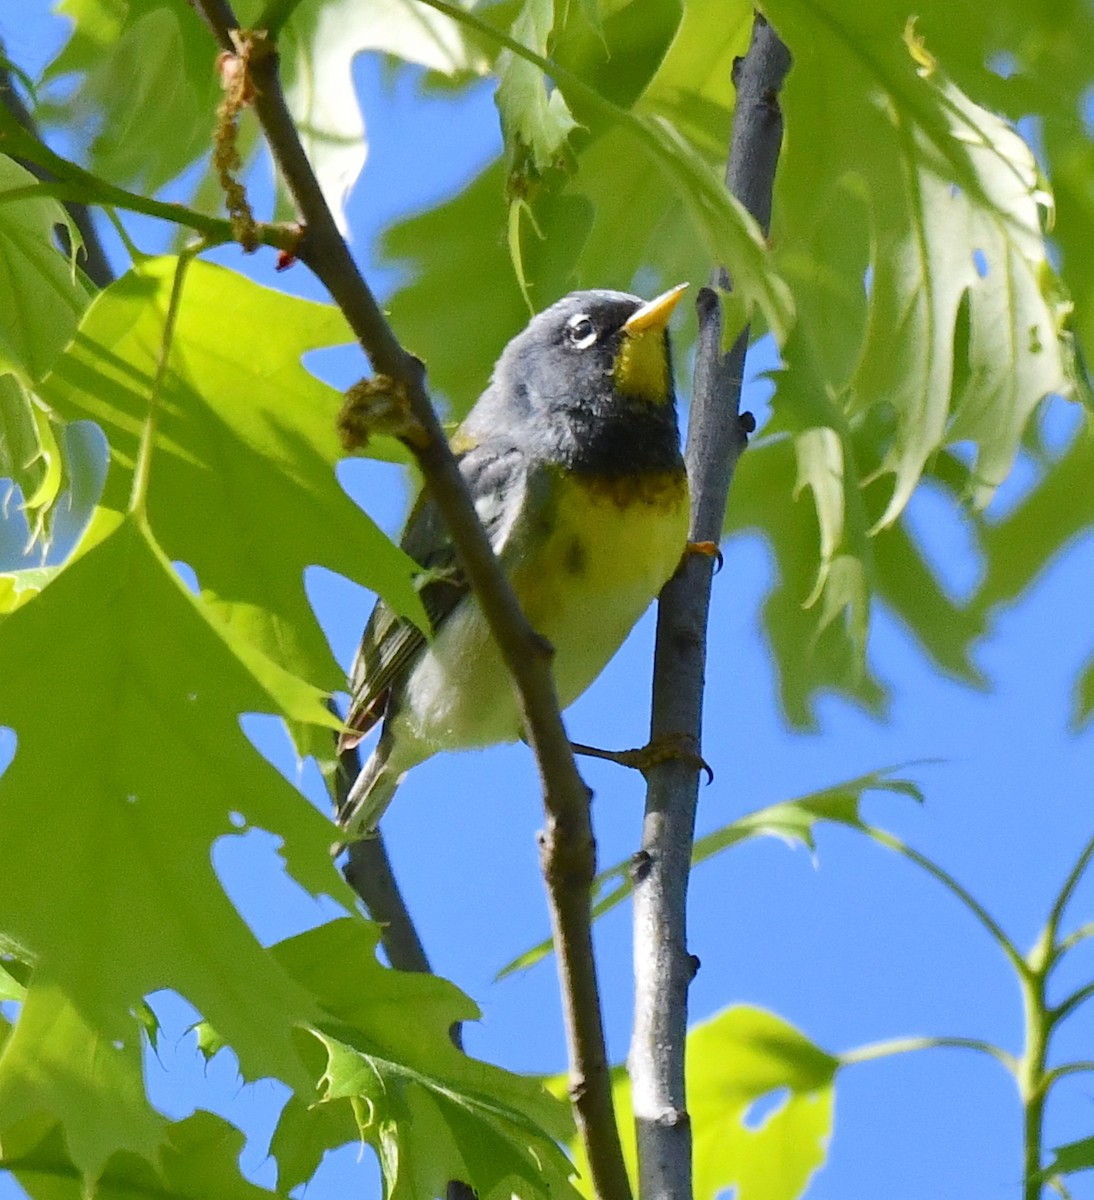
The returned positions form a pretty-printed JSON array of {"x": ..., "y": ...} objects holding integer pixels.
[
  {"x": 663, "y": 967},
  {"x": 567, "y": 848},
  {"x": 368, "y": 871}
]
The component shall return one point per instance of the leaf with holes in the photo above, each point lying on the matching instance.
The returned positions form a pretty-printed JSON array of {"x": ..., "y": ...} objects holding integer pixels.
[
  {"x": 737, "y": 1059},
  {"x": 143, "y": 759}
]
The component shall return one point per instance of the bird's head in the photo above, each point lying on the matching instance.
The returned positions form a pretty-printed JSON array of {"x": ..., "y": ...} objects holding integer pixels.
[{"x": 591, "y": 343}]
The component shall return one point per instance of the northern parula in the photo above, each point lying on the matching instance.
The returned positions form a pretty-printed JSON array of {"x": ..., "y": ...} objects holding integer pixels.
[{"x": 572, "y": 456}]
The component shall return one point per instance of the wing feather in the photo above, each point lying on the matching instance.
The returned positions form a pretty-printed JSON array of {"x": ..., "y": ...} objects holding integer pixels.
[{"x": 390, "y": 643}]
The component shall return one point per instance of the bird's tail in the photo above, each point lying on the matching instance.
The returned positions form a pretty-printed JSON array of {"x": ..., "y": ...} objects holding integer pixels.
[{"x": 368, "y": 798}]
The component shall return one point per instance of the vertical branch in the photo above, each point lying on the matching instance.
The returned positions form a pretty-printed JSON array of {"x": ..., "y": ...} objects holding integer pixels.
[{"x": 716, "y": 437}]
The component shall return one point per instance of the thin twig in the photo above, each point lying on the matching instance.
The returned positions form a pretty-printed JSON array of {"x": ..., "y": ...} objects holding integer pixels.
[
  {"x": 1081, "y": 1067},
  {"x": 73, "y": 184},
  {"x": 567, "y": 848},
  {"x": 1070, "y": 1003},
  {"x": 663, "y": 967},
  {"x": 1010, "y": 950},
  {"x": 1075, "y": 937}
]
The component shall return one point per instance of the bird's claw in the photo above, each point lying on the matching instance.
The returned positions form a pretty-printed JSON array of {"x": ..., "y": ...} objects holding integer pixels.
[
  {"x": 666, "y": 747},
  {"x": 707, "y": 550}
]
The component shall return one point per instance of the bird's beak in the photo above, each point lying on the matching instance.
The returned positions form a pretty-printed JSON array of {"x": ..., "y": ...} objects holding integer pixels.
[{"x": 654, "y": 314}]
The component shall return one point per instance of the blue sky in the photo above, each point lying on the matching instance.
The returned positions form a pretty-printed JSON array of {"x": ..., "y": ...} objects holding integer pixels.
[{"x": 852, "y": 945}]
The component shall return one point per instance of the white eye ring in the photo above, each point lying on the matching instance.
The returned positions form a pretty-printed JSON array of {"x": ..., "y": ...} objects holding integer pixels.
[{"x": 581, "y": 331}]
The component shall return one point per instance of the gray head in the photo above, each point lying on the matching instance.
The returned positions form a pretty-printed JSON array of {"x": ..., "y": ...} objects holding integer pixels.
[{"x": 591, "y": 360}]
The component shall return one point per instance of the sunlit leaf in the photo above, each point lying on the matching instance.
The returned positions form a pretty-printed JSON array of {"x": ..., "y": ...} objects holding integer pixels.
[
  {"x": 245, "y": 437},
  {"x": 200, "y": 1156},
  {"x": 955, "y": 208},
  {"x": 738, "y": 1058},
  {"x": 394, "y": 1079},
  {"x": 40, "y": 297},
  {"x": 144, "y": 763},
  {"x": 535, "y": 117}
]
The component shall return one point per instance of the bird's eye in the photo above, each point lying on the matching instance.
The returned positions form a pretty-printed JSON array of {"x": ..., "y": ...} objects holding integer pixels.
[{"x": 581, "y": 331}]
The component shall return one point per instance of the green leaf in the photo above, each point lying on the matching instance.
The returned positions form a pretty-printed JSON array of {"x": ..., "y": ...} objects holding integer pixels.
[
  {"x": 12, "y": 979},
  {"x": 946, "y": 185},
  {"x": 1072, "y": 1158},
  {"x": 818, "y": 625},
  {"x": 41, "y": 298},
  {"x": 458, "y": 331},
  {"x": 317, "y": 51},
  {"x": 394, "y": 1079},
  {"x": 245, "y": 436},
  {"x": 791, "y": 820},
  {"x": 17, "y": 587},
  {"x": 148, "y": 90},
  {"x": 23, "y": 458},
  {"x": 735, "y": 1059},
  {"x": 41, "y": 461},
  {"x": 1046, "y": 522},
  {"x": 813, "y": 651},
  {"x": 200, "y": 1158},
  {"x": 1021, "y": 545},
  {"x": 535, "y": 118},
  {"x": 643, "y": 208},
  {"x": 151, "y": 767}
]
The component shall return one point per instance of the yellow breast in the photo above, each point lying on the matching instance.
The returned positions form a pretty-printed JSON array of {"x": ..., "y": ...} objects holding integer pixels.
[{"x": 608, "y": 548}]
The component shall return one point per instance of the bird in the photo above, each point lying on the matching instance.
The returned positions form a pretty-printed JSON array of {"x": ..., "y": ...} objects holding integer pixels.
[{"x": 572, "y": 457}]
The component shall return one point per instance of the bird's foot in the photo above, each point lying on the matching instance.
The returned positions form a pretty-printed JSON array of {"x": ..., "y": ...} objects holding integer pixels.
[
  {"x": 706, "y": 550},
  {"x": 378, "y": 406},
  {"x": 667, "y": 747}
]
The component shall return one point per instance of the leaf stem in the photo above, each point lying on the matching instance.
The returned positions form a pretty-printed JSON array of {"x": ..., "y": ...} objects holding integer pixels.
[
  {"x": 887, "y": 1049},
  {"x": 1062, "y": 899},
  {"x": 142, "y": 470},
  {"x": 1072, "y": 1002},
  {"x": 974, "y": 906},
  {"x": 96, "y": 265},
  {"x": 74, "y": 185},
  {"x": 1074, "y": 938},
  {"x": 568, "y": 852},
  {"x": 1084, "y": 1066}
]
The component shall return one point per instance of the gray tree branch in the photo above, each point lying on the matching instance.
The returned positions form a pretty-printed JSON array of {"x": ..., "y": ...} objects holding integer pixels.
[
  {"x": 568, "y": 852},
  {"x": 663, "y": 966}
]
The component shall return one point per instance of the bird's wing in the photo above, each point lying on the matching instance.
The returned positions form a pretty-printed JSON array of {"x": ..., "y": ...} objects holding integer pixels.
[{"x": 390, "y": 643}]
